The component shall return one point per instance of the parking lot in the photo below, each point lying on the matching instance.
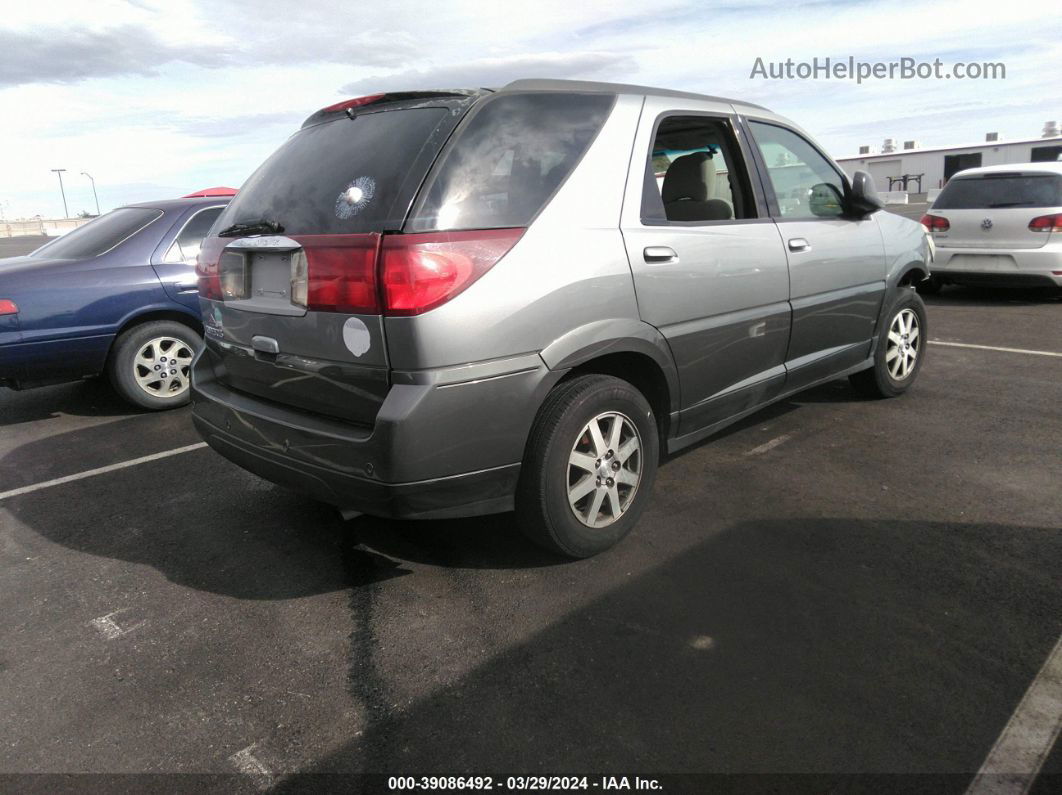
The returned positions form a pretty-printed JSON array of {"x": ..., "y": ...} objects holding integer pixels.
[{"x": 834, "y": 586}]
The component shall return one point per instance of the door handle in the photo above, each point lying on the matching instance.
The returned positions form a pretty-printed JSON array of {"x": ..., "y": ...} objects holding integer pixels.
[
  {"x": 660, "y": 254},
  {"x": 799, "y": 244}
]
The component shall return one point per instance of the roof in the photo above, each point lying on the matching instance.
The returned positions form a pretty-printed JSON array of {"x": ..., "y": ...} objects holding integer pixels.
[
  {"x": 982, "y": 145},
  {"x": 1048, "y": 167},
  {"x": 218, "y": 191},
  {"x": 536, "y": 84}
]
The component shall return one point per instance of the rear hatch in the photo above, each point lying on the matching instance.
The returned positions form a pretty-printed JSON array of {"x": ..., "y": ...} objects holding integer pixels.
[
  {"x": 996, "y": 210},
  {"x": 288, "y": 273}
]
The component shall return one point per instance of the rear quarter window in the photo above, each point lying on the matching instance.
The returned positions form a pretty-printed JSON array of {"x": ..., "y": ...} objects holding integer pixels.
[
  {"x": 1004, "y": 190},
  {"x": 508, "y": 159}
]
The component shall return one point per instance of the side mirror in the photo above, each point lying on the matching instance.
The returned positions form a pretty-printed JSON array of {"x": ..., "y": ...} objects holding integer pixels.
[
  {"x": 825, "y": 201},
  {"x": 863, "y": 199}
]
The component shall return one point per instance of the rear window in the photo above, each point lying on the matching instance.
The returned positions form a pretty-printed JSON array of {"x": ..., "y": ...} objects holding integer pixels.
[
  {"x": 1005, "y": 190},
  {"x": 346, "y": 176},
  {"x": 99, "y": 236},
  {"x": 509, "y": 158}
]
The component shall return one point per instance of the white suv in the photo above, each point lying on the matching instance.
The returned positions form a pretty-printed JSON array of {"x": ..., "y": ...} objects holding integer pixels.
[{"x": 998, "y": 226}]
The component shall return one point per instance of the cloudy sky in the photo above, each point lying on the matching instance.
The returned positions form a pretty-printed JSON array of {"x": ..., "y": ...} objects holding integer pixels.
[{"x": 158, "y": 98}]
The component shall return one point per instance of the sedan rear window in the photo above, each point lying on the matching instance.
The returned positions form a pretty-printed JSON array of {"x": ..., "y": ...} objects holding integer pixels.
[
  {"x": 1003, "y": 190},
  {"x": 99, "y": 236},
  {"x": 509, "y": 158},
  {"x": 347, "y": 176}
]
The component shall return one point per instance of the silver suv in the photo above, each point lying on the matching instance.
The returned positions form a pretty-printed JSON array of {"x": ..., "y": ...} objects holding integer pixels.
[{"x": 448, "y": 303}]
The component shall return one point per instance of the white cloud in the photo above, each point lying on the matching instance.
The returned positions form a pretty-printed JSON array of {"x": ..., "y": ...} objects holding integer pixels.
[{"x": 155, "y": 96}]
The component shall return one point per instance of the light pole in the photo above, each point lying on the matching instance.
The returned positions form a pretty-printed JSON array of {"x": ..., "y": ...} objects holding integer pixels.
[
  {"x": 94, "y": 196},
  {"x": 59, "y": 171}
]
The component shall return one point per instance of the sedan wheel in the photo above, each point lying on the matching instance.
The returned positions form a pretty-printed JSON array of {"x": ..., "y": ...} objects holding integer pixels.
[{"x": 162, "y": 365}]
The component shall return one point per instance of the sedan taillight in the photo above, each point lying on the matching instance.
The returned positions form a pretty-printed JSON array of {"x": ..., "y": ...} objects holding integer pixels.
[
  {"x": 8, "y": 307},
  {"x": 935, "y": 223},
  {"x": 1046, "y": 223}
]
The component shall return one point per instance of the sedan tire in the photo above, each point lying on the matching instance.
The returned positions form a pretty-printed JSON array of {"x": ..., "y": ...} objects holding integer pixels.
[{"x": 150, "y": 365}]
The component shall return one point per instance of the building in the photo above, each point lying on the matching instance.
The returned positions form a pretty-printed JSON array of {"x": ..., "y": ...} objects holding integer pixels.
[{"x": 899, "y": 168}]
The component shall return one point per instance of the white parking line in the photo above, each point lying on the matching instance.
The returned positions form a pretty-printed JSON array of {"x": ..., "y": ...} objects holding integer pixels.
[
  {"x": 763, "y": 448},
  {"x": 91, "y": 472},
  {"x": 994, "y": 348},
  {"x": 109, "y": 628},
  {"x": 1021, "y": 750}
]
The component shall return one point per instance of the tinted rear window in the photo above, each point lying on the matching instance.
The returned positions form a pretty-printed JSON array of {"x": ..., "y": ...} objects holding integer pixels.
[
  {"x": 1012, "y": 190},
  {"x": 100, "y": 235},
  {"x": 509, "y": 158},
  {"x": 345, "y": 176}
]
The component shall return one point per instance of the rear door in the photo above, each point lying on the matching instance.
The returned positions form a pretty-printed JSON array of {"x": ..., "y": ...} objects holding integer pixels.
[
  {"x": 994, "y": 210},
  {"x": 174, "y": 259},
  {"x": 708, "y": 265},
  {"x": 836, "y": 263},
  {"x": 288, "y": 286}
]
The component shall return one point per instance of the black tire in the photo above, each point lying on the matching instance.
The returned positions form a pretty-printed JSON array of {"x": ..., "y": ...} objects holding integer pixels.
[
  {"x": 930, "y": 286},
  {"x": 879, "y": 380},
  {"x": 543, "y": 510},
  {"x": 122, "y": 367}
]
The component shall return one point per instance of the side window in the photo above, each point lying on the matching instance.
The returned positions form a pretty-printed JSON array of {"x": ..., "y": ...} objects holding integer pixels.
[
  {"x": 186, "y": 246},
  {"x": 695, "y": 173},
  {"x": 804, "y": 182}
]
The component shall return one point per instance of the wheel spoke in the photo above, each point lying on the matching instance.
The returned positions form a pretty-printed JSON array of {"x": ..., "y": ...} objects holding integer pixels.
[
  {"x": 615, "y": 432},
  {"x": 595, "y": 436},
  {"x": 581, "y": 489},
  {"x": 585, "y": 462},
  {"x": 894, "y": 338},
  {"x": 892, "y": 354},
  {"x": 595, "y": 506},
  {"x": 913, "y": 335},
  {"x": 614, "y": 501},
  {"x": 626, "y": 477},
  {"x": 629, "y": 448}
]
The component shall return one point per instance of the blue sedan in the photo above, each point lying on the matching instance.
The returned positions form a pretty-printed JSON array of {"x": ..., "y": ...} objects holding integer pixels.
[{"x": 116, "y": 296}]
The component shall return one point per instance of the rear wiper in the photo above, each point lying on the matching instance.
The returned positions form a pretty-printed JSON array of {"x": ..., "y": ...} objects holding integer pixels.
[
  {"x": 1006, "y": 204},
  {"x": 252, "y": 228}
]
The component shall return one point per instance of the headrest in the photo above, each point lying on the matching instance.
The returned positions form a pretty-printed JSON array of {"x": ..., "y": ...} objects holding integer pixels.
[{"x": 687, "y": 178}]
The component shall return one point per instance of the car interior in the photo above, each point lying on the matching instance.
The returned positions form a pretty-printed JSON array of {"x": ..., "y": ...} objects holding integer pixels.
[{"x": 691, "y": 165}]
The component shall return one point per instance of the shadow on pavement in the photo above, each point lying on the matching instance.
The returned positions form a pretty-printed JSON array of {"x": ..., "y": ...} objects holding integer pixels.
[
  {"x": 812, "y": 645},
  {"x": 90, "y": 398},
  {"x": 961, "y": 295}
]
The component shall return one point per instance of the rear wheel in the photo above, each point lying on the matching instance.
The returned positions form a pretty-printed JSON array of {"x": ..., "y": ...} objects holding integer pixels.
[
  {"x": 900, "y": 349},
  {"x": 151, "y": 364},
  {"x": 589, "y": 468}
]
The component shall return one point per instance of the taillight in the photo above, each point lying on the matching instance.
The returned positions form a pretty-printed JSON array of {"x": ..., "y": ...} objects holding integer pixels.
[
  {"x": 935, "y": 223},
  {"x": 206, "y": 267},
  {"x": 8, "y": 307},
  {"x": 421, "y": 271},
  {"x": 336, "y": 273},
  {"x": 1047, "y": 223},
  {"x": 352, "y": 103}
]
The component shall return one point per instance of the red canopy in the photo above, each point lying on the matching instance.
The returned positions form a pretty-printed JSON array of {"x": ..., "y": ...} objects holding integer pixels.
[{"x": 219, "y": 191}]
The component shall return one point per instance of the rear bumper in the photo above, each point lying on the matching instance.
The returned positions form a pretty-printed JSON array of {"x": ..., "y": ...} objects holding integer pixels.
[
  {"x": 1000, "y": 267},
  {"x": 445, "y": 443}
]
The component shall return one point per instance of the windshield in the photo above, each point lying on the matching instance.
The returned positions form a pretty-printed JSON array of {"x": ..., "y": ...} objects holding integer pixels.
[
  {"x": 1005, "y": 190},
  {"x": 346, "y": 176},
  {"x": 99, "y": 236}
]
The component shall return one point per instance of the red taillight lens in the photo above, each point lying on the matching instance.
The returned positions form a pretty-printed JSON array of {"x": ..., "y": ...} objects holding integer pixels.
[
  {"x": 1047, "y": 223},
  {"x": 421, "y": 271},
  {"x": 935, "y": 223},
  {"x": 352, "y": 103},
  {"x": 206, "y": 267},
  {"x": 8, "y": 307},
  {"x": 336, "y": 273}
]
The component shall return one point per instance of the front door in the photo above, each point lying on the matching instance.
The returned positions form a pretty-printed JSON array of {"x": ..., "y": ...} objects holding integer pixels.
[
  {"x": 836, "y": 263},
  {"x": 708, "y": 265}
]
